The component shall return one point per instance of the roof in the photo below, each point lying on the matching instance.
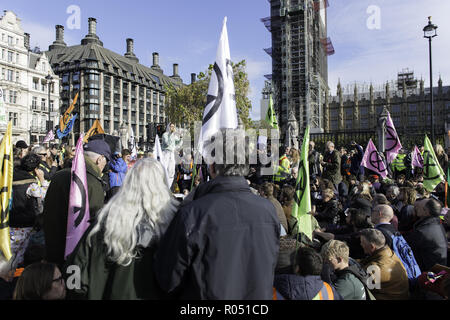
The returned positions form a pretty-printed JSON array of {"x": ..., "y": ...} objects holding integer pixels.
[{"x": 108, "y": 61}]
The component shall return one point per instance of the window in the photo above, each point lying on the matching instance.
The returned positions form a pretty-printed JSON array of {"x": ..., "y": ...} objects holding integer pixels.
[
  {"x": 10, "y": 40},
  {"x": 34, "y": 103},
  {"x": 12, "y": 96},
  {"x": 65, "y": 78},
  {"x": 348, "y": 124},
  {"x": 14, "y": 117},
  {"x": 396, "y": 109},
  {"x": 3, "y": 54},
  {"x": 42, "y": 86},
  {"x": 17, "y": 58},
  {"x": 51, "y": 105},
  {"x": 43, "y": 104},
  {"x": 364, "y": 123},
  {"x": 35, "y": 84},
  {"x": 412, "y": 107},
  {"x": 10, "y": 75},
  {"x": 412, "y": 120},
  {"x": 10, "y": 56},
  {"x": 364, "y": 111},
  {"x": 17, "y": 76}
]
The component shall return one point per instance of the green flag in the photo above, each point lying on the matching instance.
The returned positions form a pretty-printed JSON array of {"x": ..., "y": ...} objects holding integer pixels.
[
  {"x": 194, "y": 174},
  {"x": 271, "y": 118},
  {"x": 302, "y": 196},
  {"x": 432, "y": 171}
]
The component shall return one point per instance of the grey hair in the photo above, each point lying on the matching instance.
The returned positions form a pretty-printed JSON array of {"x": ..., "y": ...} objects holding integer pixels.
[
  {"x": 143, "y": 198},
  {"x": 374, "y": 237},
  {"x": 39, "y": 149},
  {"x": 239, "y": 164},
  {"x": 92, "y": 155},
  {"x": 329, "y": 143},
  {"x": 395, "y": 190}
]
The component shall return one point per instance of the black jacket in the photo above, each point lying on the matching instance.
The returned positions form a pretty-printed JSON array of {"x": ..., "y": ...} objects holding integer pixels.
[
  {"x": 328, "y": 213},
  {"x": 388, "y": 231},
  {"x": 24, "y": 209},
  {"x": 332, "y": 167},
  {"x": 362, "y": 203},
  {"x": 222, "y": 245},
  {"x": 56, "y": 206},
  {"x": 49, "y": 173},
  {"x": 428, "y": 242}
]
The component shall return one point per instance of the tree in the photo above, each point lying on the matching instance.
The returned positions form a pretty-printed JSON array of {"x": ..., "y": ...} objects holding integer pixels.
[{"x": 186, "y": 104}]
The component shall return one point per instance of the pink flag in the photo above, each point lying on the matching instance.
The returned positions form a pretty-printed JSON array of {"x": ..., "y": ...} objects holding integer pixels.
[
  {"x": 392, "y": 141},
  {"x": 373, "y": 161},
  {"x": 78, "y": 215},
  {"x": 49, "y": 137},
  {"x": 416, "y": 158}
]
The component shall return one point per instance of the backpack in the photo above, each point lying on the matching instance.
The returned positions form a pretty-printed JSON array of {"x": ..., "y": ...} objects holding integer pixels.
[
  {"x": 356, "y": 269},
  {"x": 406, "y": 256}
]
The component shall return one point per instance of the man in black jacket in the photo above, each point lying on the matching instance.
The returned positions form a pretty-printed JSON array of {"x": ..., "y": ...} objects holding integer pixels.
[
  {"x": 428, "y": 240},
  {"x": 56, "y": 204},
  {"x": 224, "y": 244}
]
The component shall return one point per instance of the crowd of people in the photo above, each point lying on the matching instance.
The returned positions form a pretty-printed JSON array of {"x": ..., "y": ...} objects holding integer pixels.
[{"x": 225, "y": 231}]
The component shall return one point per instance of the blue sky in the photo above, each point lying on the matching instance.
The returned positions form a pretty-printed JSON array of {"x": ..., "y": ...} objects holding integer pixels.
[{"x": 187, "y": 33}]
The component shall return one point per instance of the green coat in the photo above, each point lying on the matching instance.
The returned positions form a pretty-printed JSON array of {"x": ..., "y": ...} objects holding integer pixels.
[
  {"x": 56, "y": 206},
  {"x": 104, "y": 280},
  {"x": 349, "y": 286}
]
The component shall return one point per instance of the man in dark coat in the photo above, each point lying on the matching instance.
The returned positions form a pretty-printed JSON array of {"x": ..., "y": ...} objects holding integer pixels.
[
  {"x": 224, "y": 244},
  {"x": 331, "y": 164},
  {"x": 357, "y": 155},
  {"x": 56, "y": 205},
  {"x": 428, "y": 239}
]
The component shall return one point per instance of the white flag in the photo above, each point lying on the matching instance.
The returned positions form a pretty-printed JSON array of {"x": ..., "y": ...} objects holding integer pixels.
[
  {"x": 3, "y": 120},
  {"x": 132, "y": 144},
  {"x": 220, "y": 111},
  {"x": 158, "y": 155}
]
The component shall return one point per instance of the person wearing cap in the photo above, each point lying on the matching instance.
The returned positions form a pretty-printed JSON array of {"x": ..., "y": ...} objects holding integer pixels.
[{"x": 97, "y": 153}]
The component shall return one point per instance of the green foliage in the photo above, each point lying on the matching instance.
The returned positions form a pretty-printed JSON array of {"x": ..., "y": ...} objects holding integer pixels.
[{"x": 186, "y": 104}]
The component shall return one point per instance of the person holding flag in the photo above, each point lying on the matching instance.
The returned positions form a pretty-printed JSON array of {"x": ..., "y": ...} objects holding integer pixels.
[
  {"x": 96, "y": 155},
  {"x": 241, "y": 230}
]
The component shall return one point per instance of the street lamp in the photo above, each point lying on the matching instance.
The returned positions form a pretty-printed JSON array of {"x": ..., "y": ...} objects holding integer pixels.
[
  {"x": 429, "y": 31},
  {"x": 49, "y": 79}
]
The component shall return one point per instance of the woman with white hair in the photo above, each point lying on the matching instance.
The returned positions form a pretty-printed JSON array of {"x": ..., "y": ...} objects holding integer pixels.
[{"x": 115, "y": 254}]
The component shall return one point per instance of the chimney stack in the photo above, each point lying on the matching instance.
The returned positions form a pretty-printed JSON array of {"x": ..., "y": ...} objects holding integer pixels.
[
  {"x": 175, "y": 70},
  {"x": 92, "y": 26},
  {"x": 26, "y": 41},
  {"x": 59, "y": 42},
  {"x": 130, "y": 50},
  {"x": 193, "y": 78},
  {"x": 155, "y": 65},
  {"x": 92, "y": 37}
]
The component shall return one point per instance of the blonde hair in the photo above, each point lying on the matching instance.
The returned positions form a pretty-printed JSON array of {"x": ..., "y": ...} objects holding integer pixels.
[
  {"x": 337, "y": 249},
  {"x": 143, "y": 198},
  {"x": 328, "y": 192},
  {"x": 439, "y": 150}
]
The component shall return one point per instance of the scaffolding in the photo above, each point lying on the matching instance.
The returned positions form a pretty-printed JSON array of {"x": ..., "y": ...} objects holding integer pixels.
[{"x": 299, "y": 52}]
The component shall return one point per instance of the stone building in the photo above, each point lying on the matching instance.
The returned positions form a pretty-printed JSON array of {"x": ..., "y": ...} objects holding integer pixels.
[
  {"x": 23, "y": 80},
  {"x": 114, "y": 88},
  {"x": 407, "y": 100}
]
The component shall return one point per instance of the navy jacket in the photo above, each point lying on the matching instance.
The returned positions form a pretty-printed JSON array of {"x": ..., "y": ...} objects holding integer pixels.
[
  {"x": 295, "y": 287},
  {"x": 222, "y": 245}
]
